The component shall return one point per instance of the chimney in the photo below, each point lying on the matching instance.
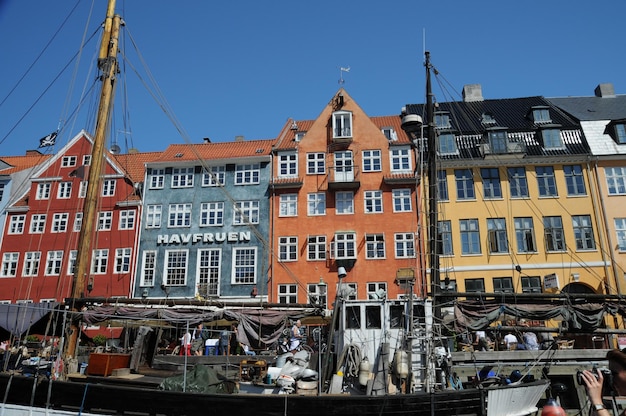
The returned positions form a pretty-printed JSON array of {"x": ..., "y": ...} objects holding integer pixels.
[
  {"x": 605, "y": 90},
  {"x": 33, "y": 153},
  {"x": 206, "y": 140},
  {"x": 239, "y": 138},
  {"x": 472, "y": 92}
]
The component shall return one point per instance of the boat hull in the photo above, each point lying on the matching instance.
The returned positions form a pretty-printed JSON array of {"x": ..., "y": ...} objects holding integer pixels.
[{"x": 100, "y": 399}]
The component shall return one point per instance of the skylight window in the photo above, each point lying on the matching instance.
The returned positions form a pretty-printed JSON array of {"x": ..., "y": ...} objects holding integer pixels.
[
  {"x": 487, "y": 118},
  {"x": 541, "y": 115},
  {"x": 442, "y": 120}
]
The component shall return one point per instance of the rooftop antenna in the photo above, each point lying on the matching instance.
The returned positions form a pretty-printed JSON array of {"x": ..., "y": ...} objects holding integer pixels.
[{"x": 341, "y": 71}]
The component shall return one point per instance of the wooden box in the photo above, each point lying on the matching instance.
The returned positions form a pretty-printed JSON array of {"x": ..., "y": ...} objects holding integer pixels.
[{"x": 103, "y": 364}]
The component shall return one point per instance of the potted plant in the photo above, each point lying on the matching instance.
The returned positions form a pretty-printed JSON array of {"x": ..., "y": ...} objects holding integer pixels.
[
  {"x": 99, "y": 340},
  {"x": 33, "y": 342}
]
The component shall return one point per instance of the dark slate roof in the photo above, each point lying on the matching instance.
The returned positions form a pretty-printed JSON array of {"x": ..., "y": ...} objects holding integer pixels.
[
  {"x": 514, "y": 114},
  {"x": 593, "y": 108}
]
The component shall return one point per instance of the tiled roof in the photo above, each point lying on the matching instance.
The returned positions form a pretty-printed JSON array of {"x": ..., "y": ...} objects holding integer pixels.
[
  {"x": 18, "y": 163},
  {"x": 134, "y": 163},
  {"x": 212, "y": 151},
  {"x": 287, "y": 137},
  {"x": 593, "y": 108},
  {"x": 394, "y": 122}
]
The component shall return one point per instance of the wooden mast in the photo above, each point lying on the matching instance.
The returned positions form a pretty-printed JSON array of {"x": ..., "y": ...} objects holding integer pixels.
[{"x": 107, "y": 64}]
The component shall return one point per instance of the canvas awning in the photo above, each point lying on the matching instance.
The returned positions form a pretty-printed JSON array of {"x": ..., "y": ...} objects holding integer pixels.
[{"x": 17, "y": 318}]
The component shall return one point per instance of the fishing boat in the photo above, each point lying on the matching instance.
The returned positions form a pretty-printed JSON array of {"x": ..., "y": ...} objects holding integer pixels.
[{"x": 404, "y": 369}]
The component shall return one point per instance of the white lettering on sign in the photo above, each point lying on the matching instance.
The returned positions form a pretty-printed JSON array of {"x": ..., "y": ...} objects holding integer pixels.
[{"x": 175, "y": 239}]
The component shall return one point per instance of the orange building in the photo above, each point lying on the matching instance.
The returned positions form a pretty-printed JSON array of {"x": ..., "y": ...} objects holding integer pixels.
[{"x": 343, "y": 194}]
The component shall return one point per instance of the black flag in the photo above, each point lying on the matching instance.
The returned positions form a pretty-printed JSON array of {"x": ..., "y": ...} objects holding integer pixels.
[{"x": 49, "y": 140}]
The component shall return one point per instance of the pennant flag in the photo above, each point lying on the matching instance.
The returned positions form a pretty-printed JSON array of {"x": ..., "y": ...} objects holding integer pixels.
[
  {"x": 78, "y": 173},
  {"x": 49, "y": 140}
]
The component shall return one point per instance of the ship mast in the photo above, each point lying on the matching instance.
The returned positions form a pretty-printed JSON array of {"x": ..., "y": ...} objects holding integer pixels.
[{"x": 107, "y": 64}]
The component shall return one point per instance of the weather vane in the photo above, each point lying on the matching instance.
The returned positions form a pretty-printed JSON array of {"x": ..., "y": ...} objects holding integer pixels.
[{"x": 341, "y": 71}]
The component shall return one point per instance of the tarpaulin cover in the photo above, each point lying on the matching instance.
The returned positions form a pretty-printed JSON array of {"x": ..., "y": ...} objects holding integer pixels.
[
  {"x": 17, "y": 318},
  {"x": 201, "y": 379}
]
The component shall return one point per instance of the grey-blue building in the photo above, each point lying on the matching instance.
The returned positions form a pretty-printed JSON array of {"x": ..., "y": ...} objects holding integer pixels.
[{"x": 205, "y": 224}]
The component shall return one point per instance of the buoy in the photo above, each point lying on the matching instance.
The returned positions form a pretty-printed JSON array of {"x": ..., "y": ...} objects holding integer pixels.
[
  {"x": 365, "y": 369},
  {"x": 402, "y": 364},
  {"x": 552, "y": 408}
]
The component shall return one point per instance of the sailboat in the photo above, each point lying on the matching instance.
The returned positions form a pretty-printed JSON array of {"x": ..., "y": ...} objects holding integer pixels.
[{"x": 407, "y": 376}]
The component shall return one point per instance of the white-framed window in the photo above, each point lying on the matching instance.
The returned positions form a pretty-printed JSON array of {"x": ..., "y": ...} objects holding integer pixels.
[
  {"x": 65, "y": 190},
  {"x": 246, "y": 212},
  {"x": 374, "y": 289},
  {"x": 182, "y": 177},
  {"x": 620, "y": 230},
  {"x": 405, "y": 245},
  {"x": 288, "y": 294},
  {"x": 546, "y": 181},
  {"x": 401, "y": 200},
  {"x": 247, "y": 174},
  {"x": 464, "y": 179},
  {"x": 105, "y": 220},
  {"x": 553, "y": 233},
  {"x": 71, "y": 262},
  {"x": 108, "y": 187},
  {"x": 616, "y": 180},
  {"x": 299, "y": 136},
  {"x": 400, "y": 158},
  {"x": 541, "y": 115},
  {"x": 17, "y": 223},
  {"x": 583, "y": 232},
  {"x": 470, "y": 236},
  {"x": 244, "y": 265},
  {"x": 54, "y": 259},
  {"x": 525, "y": 235},
  {"x": 496, "y": 235},
  {"x": 574, "y": 180},
  {"x": 390, "y": 133},
  {"x": 372, "y": 161},
  {"x": 37, "y": 223},
  {"x": 288, "y": 248},
  {"x": 447, "y": 144},
  {"x": 43, "y": 190},
  {"x": 214, "y": 177},
  {"x": 344, "y": 202},
  {"x": 86, "y": 160},
  {"x": 211, "y": 214},
  {"x": 68, "y": 161},
  {"x": 316, "y": 247},
  {"x": 288, "y": 205},
  {"x": 127, "y": 219},
  {"x": 316, "y": 203},
  {"x": 153, "y": 216},
  {"x": 373, "y": 201},
  {"x": 82, "y": 189},
  {"x": 176, "y": 262},
  {"x": 78, "y": 222},
  {"x": 315, "y": 163},
  {"x": 209, "y": 264},
  {"x": 31, "y": 263},
  {"x": 342, "y": 124},
  {"x": 375, "y": 246},
  {"x": 179, "y": 215},
  {"x": 122, "y": 260},
  {"x": 9, "y": 264},
  {"x": 552, "y": 138},
  {"x": 59, "y": 222},
  {"x": 148, "y": 271},
  {"x": 344, "y": 246},
  {"x": 318, "y": 293},
  {"x": 99, "y": 261},
  {"x": 156, "y": 179},
  {"x": 288, "y": 165}
]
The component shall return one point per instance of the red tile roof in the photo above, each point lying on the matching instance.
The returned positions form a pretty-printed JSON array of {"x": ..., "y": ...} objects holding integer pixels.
[
  {"x": 220, "y": 150},
  {"x": 18, "y": 163},
  {"x": 134, "y": 163}
]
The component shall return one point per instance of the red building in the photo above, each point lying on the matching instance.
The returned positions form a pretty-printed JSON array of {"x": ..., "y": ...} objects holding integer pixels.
[{"x": 40, "y": 236}]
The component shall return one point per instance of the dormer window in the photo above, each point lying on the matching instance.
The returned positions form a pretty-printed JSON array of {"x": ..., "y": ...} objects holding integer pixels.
[
  {"x": 487, "y": 119},
  {"x": 342, "y": 124},
  {"x": 498, "y": 140},
  {"x": 299, "y": 136},
  {"x": 442, "y": 120},
  {"x": 551, "y": 138},
  {"x": 447, "y": 144},
  {"x": 617, "y": 130},
  {"x": 541, "y": 115},
  {"x": 390, "y": 133}
]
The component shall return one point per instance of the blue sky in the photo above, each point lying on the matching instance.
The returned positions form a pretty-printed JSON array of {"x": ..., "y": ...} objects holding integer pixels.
[{"x": 232, "y": 68}]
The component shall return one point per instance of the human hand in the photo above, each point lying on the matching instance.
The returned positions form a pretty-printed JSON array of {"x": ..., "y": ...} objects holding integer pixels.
[{"x": 593, "y": 383}]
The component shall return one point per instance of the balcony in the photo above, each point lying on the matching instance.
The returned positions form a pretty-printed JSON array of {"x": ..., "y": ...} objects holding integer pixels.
[
  {"x": 512, "y": 149},
  {"x": 343, "y": 178},
  {"x": 401, "y": 178}
]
